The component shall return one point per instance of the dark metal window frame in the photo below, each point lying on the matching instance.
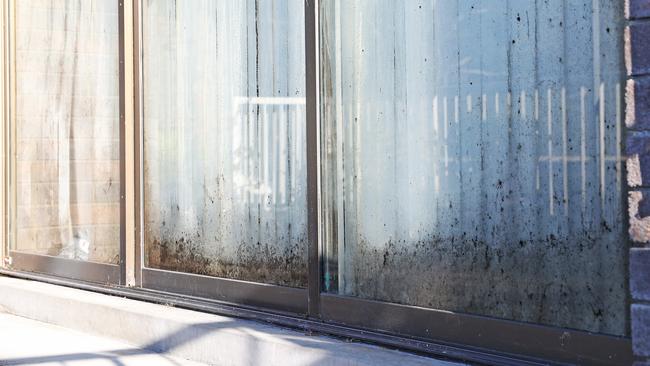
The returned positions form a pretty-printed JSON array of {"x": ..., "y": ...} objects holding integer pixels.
[
  {"x": 258, "y": 295},
  {"x": 427, "y": 331}
]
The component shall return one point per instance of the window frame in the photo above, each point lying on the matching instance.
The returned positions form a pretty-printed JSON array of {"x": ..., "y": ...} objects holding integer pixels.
[{"x": 428, "y": 331}]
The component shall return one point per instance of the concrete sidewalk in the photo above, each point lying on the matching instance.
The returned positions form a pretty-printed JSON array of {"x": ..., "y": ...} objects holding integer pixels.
[
  {"x": 185, "y": 334},
  {"x": 29, "y": 342}
]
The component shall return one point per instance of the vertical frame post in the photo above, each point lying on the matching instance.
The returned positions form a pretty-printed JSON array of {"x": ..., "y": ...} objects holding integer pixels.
[
  {"x": 9, "y": 127},
  {"x": 313, "y": 155},
  {"x": 138, "y": 129},
  {"x": 127, "y": 139},
  {"x": 3, "y": 138}
]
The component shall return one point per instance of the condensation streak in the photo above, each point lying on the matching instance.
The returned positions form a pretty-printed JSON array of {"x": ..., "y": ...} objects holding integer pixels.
[
  {"x": 514, "y": 209},
  {"x": 224, "y": 129}
]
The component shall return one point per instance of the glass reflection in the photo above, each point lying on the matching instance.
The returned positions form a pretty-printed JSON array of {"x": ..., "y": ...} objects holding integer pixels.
[
  {"x": 224, "y": 139},
  {"x": 67, "y": 180},
  {"x": 472, "y": 157}
]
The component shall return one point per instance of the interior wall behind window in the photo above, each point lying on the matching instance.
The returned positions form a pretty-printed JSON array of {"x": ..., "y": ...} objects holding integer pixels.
[
  {"x": 224, "y": 139},
  {"x": 67, "y": 130},
  {"x": 472, "y": 157}
]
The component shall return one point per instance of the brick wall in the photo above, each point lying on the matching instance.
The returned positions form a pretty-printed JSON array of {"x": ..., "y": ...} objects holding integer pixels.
[
  {"x": 67, "y": 128},
  {"x": 637, "y": 58}
]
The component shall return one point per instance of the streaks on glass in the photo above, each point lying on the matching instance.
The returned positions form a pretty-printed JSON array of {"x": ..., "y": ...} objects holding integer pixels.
[
  {"x": 224, "y": 134},
  {"x": 471, "y": 158}
]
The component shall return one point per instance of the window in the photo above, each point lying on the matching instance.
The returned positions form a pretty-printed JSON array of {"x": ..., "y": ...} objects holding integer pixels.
[
  {"x": 66, "y": 177},
  {"x": 224, "y": 139},
  {"x": 417, "y": 173},
  {"x": 472, "y": 158}
]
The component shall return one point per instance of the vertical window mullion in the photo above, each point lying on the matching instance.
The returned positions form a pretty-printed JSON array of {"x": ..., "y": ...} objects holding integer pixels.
[
  {"x": 127, "y": 141},
  {"x": 312, "y": 95}
]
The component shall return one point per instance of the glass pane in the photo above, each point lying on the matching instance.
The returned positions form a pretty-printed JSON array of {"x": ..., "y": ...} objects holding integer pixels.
[
  {"x": 472, "y": 157},
  {"x": 67, "y": 129},
  {"x": 224, "y": 149}
]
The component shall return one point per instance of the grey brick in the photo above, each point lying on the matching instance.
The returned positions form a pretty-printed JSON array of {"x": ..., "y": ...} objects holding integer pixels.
[
  {"x": 638, "y": 103},
  {"x": 641, "y": 330},
  {"x": 640, "y": 273},
  {"x": 638, "y": 143},
  {"x": 637, "y": 48},
  {"x": 636, "y": 9}
]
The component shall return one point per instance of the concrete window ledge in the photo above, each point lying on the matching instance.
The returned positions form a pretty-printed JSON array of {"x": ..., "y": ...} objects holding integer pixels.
[{"x": 186, "y": 334}]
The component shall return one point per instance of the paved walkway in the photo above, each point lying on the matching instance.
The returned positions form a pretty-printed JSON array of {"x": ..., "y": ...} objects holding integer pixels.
[
  {"x": 29, "y": 342},
  {"x": 122, "y": 328}
]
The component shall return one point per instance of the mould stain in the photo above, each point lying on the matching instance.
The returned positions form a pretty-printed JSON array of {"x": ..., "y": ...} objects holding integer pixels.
[
  {"x": 556, "y": 281},
  {"x": 270, "y": 263}
]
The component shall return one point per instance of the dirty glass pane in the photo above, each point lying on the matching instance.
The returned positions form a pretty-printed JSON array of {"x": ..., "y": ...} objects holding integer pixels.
[
  {"x": 66, "y": 174},
  {"x": 471, "y": 157},
  {"x": 224, "y": 139}
]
